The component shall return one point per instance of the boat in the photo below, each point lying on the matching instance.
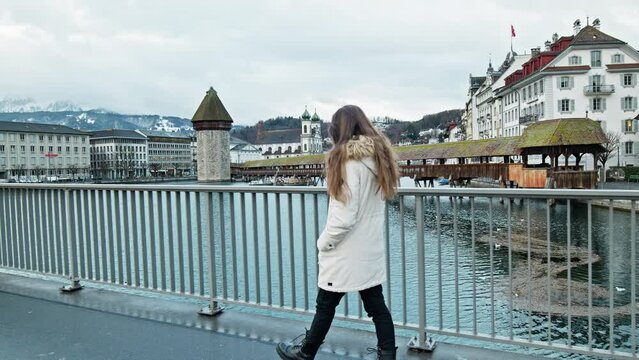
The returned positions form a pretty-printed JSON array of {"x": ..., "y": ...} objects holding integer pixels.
[
  {"x": 442, "y": 181},
  {"x": 261, "y": 182}
]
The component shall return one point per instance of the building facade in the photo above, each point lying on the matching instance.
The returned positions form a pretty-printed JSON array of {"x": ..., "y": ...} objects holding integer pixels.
[
  {"x": 118, "y": 154},
  {"x": 311, "y": 136},
  {"x": 241, "y": 151},
  {"x": 32, "y": 152},
  {"x": 306, "y": 140},
  {"x": 588, "y": 74},
  {"x": 169, "y": 155}
]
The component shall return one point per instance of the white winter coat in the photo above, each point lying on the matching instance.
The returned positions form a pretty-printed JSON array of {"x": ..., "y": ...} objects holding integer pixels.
[{"x": 352, "y": 254}]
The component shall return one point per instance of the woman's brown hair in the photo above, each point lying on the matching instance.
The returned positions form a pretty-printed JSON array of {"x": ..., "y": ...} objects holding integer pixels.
[{"x": 347, "y": 123}]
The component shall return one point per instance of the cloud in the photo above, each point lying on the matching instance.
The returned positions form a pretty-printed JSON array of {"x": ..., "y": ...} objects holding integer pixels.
[{"x": 403, "y": 58}]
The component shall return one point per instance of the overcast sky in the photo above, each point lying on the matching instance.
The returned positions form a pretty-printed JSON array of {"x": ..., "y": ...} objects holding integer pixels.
[{"x": 272, "y": 57}]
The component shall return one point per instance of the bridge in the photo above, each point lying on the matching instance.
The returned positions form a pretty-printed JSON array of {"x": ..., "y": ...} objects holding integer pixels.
[
  {"x": 463, "y": 272},
  {"x": 562, "y": 139}
]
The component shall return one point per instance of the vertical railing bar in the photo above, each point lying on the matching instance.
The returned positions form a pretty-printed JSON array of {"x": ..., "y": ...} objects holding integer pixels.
[
  {"x": 180, "y": 242},
  {"x": 492, "y": 266},
  {"x": 210, "y": 242},
  {"x": 189, "y": 244},
  {"x": 267, "y": 241},
  {"x": 20, "y": 238},
  {"x": 256, "y": 252},
  {"x": 143, "y": 239},
  {"x": 291, "y": 250},
  {"x": 118, "y": 239},
  {"x": 87, "y": 211},
  {"x": 137, "y": 236},
  {"x": 456, "y": 241},
  {"x": 633, "y": 279},
  {"x": 280, "y": 265},
  {"x": 28, "y": 224},
  {"x": 61, "y": 231},
  {"x": 529, "y": 260},
  {"x": 421, "y": 271},
  {"x": 15, "y": 249},
  {"x": 80, "y": 219},
  {"x": 112, "y": 236},
  {"x": 126, "y": 239},
  {"x": 438, "y": 216},
  {"x": 304, "y": 250},
  {"x": 10, "y": 237},
  {"x": 346, "y": 305},
  {"x": 171, "y": 244},
  {"x": 510, "y": 270},
  {"x": 103, "y": 197},
  {"x": 569, "y": 277},
  {"x": 611, "y": 277},
  {"x": 589, "y": 275},
  {"x": 161, "y": 239},
  {"x": 221, "y": 223},
  {"x": 317, "y": 231},
  {"x": 234, "y": 245},
  {"x": 153, "y": 240},
  {"x": 71, "y": 237},
  {"x": 200, "y": 242},
  {"x": 245, "y": 270},
  {"x": 402, "y": 242},
  {"x": 474, "y": 262},
  {"x": 389, "y": 297},
  {"x": 3, "y": 228},
  {"x": 548, "y": 269},
  {"x": 40, "y": 224},
  {"x": 46, "y": 223}
]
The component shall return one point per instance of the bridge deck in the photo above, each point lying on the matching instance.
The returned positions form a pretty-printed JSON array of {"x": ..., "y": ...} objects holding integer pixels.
[{"x": 39, "y": 322}]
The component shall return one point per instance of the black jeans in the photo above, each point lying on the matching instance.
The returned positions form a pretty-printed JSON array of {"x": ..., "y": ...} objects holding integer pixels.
[{"x": 373, "y": 300}]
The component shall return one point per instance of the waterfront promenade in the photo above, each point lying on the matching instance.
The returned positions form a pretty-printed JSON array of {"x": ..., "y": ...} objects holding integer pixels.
[{"x": 39, "y": 322}]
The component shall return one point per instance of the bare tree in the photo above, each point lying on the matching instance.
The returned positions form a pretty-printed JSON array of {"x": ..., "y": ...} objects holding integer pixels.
[
  {"x": 73, "y": 170},
  {"x": 154, "y": 167},
  {"x": 611, "y": 147}
]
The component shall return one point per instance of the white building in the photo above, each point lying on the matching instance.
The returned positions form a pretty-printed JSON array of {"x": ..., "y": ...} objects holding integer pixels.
[
  {"x": 33, "y": 152},
  {"x": 118, "y": 154},
  {"x": 241, "y": 151},
  {"x": 169, "y": 155},
  {"x": 588, "y": 74},
  {"x": 311, "y": 136},
  {"x": 306, "y": 140}
]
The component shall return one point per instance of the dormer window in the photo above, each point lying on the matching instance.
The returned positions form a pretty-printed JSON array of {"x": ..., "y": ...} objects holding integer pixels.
[
  {"x": 617, "y": 58},
  {"x": 574, "y": 60}
]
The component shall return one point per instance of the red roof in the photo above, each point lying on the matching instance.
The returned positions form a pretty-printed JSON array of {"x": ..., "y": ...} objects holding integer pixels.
[{"x": 623, "y": 66}]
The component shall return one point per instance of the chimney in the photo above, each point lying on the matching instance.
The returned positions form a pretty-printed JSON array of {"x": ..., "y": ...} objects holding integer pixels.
[
  {"x": 547, "y": 45},
  {"x": 596, "y": 24},
  {"x": 555, "y": 37},
  {"x": 577, "y": 26},
  {"x": 535, "y": 51}
]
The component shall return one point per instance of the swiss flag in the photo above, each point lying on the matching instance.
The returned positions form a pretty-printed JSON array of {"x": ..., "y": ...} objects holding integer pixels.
[{"x": 512, "y": 31}]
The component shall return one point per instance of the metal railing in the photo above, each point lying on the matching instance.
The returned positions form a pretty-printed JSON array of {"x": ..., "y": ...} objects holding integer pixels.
[
  {"x": 599, "y": 89},
  {"x": 538, "y": 268}
]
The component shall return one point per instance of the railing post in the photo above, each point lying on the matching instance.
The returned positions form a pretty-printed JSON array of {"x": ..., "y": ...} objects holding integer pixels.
[
  {"x": 420, "y": 343},
  {"x": 213, "y": 308},
  {"x": 70, "y": 239}
]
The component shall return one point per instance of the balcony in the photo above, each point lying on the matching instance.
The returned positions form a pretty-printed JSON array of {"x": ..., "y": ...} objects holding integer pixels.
[
  {"x": 527, "y": 119},
  {"x": 599, "y": 90}
]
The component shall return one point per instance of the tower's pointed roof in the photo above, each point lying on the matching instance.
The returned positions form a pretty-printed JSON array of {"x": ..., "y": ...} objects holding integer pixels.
[
  {"x": 306, "y": 115},
  {"x": 315, "y": 116},
  {"x": 211, "y": 109}
]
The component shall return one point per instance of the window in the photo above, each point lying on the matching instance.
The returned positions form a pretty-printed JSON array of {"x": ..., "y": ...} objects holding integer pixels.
[
  {"x": 617, "y": 58},
  {"x": 566, "y": 105},
  {"x": 628, "y": 103},
  {"x": 628, "y": 80},
  {"x": 13, "y": 148},
  {"x": 1, "y": 148},
  {"x": 597, "y": 104},
  {"x": 541, "y": 110},
  {"x": 574, "y": 60},
  {"x": 565, "y": 82},
  {"x": 32, "y": 148},
  {"x": 50, "y": 149},
  {"x": 541, "y": 86},
  {"x": 50, "y": 138},
  {"x": 68, "y": 138},
  {"x": 23, "y": 148},
  {"x": 535, "y": 89},
  {"x": 41, "y": 137},
  {"x": 628, "y": 147},
  {"x": 22, "y": 137},
  {"x": 524, "y": 94},
  {"x": 629, "y": 125},
  {"x": 41, "y": 149},
  {"x": 595, "y": 58}
]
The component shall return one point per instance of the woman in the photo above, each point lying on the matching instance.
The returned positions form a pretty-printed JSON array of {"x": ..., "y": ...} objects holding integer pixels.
[{"x": 362, "y": 173}]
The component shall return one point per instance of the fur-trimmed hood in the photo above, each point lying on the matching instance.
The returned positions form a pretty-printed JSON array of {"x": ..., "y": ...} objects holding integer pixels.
[{"x": 360, "y": 147}]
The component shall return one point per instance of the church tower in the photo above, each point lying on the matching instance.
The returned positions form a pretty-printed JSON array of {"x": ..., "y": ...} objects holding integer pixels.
[
  {"x": 316, "y": 134},
  {"x": 306, "y": 136}
]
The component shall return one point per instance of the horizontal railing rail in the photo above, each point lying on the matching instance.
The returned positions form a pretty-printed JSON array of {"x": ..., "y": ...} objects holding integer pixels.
[{"x": 550, "y": 269}]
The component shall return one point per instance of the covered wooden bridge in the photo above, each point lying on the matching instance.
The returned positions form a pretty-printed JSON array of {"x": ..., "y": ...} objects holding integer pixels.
[{"x": 503, "y": 159}]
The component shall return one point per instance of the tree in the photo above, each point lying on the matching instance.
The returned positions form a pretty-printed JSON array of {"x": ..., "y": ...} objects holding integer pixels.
[
  {"x": 611, "y": 147},
  {"x": 154, "y": 167},
  {"x": 73, "y": 170}
]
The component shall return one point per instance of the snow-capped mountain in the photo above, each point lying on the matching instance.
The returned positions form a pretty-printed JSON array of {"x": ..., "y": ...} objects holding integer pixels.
[{"x": 66, "y": 113}]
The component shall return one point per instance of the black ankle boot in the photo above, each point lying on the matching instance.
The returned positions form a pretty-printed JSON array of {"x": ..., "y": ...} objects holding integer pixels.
[
  {"x": 297, "y": 351},
  {"x": 386, "y": 354}
]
